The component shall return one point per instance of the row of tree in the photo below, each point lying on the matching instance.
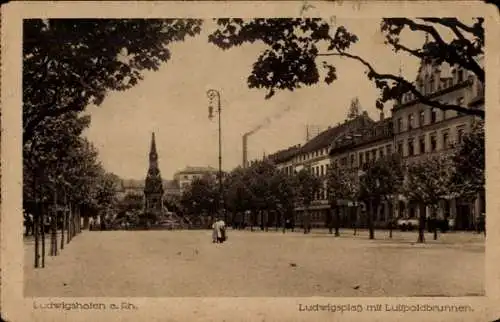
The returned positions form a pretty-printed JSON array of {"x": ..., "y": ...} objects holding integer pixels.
[
  {"x": 262, "y": 188},
  {"x": 67, "y": 66},
  {"x": 63, "y": 182}
]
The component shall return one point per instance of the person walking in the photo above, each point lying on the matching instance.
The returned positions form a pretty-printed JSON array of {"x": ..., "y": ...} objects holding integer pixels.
[
  {"x": 222, "y": 231},
  {"x": 215, "y": 231}
]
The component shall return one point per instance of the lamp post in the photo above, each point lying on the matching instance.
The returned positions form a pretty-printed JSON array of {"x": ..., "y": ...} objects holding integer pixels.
[{"x": 215, "y": 95}]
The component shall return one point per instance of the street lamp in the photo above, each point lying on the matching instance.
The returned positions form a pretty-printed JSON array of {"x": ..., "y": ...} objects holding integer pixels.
[{"x": 212, "y": 95}]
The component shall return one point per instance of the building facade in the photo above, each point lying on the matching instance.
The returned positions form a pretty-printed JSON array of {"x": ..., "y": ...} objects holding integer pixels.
[
  {"x": 314, "y": 155},
  {"x": 421, "y": 131},
  {"x": 417, "y": 131},
  {"x": 185, "y": 177},
  {"x": 351, "y": 152},
  {"x": 414, "y": 130}
]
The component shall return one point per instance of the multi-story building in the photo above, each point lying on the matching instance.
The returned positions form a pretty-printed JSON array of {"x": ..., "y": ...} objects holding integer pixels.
[
  {"x": 314, "y": 155},
  {"x": 416, "y": 131},
  {"x": 354, "y": 149},
  {"x": 185, "y": 177},
  {"x": 421, "y": 131}
]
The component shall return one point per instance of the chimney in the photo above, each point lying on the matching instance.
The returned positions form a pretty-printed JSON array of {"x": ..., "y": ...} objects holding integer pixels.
[
  {"x": 245, "y": 147},
  {"x": 382, "y": 117}
]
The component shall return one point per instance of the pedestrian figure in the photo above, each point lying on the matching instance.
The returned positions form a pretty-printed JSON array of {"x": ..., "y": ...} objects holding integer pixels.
[
  {"x": 222, "y": 229},
  {"x": 218, "y": 231},
  {"x": 215, "y": 231}
]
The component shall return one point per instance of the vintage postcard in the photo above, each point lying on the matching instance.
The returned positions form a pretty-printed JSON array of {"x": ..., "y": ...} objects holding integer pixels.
[{"x": 249, "y": 161}]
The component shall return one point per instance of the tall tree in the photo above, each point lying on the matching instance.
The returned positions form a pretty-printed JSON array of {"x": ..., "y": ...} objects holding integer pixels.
[
  {"x": 202, "y": 196},
  {"x": 343, "y": 186},
  {"x": 308, "y": 185},
  {"x": 297, "y": 49},
  {"x": 427, "y": 182},
  {"x": 469, "y": 163},
  {"x": 354, "y": 109},
  {"x": 71, "y": 63},
  {"x": 382, "y": 181}
]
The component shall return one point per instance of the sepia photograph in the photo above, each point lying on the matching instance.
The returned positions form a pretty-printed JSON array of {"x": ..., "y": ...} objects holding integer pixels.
[
  {"x": 251, "y": 156},
  {"x": 328, "y": 158}
]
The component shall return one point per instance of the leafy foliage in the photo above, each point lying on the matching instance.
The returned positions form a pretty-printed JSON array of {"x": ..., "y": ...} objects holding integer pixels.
[
  {"x": 342, "y": 184},
  {"x": 382, "y": 178},
  {"x": 201, "y": 196},
  {"x": 260, "y": 187},
  {"x": 354, "y": 109},
  {"x": 307, "y": 185},
  {"x": 427, "y": 180},
  {"x": 69, "y": 64},
  {"x": 297, "y": 48},
  {"x": 289, "y": 61},
  {"x": 469, "y": 163}
]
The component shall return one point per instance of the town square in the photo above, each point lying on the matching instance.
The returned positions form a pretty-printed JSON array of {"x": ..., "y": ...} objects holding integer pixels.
[{"x": 253, "y": 157}]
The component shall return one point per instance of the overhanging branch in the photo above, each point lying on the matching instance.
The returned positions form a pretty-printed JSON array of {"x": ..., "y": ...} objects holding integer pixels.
[{"x": 400, "y": 80}]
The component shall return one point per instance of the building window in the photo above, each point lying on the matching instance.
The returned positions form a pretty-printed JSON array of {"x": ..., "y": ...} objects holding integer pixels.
[
  {"x": 400, "y": 147},
  {"x": 353, "y": 160},
  {"x": 421, "y": 145},
  {"x": 388, "y": 149},
  {"x": 343, "y": 161},
  {"x": 367, "y": 157},
  {"x": 446, "y": 140},
  {"x": 421, "y": 118},
  {"x": 460, "y": 76},
  {"x": 381, "y": 152},
  {"x": 361, "y": 158},
  {"x": 411, "y": 148},
  {"x": 410, "y": 121},
  {"x": 400, "y": 124},
  {"x": 433, "y": 115},
  {"x": 433, "y": 143},
  {"x": 431, "y": 85},
  {"x": 322, "y": 170},
  {"x": 374, "y": 155}
]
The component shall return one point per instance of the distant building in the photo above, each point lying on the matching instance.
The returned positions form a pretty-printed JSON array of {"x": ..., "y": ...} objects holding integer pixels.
[
  {"x": 414, "y": 130},
  {"x": 314, "y": 156},
  {"x": 417, "y": 131},
  {"x": 185, "y": 177}
]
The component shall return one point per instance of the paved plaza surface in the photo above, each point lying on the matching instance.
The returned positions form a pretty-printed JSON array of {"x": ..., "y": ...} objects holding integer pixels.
[{"x": 187, "y": 264}]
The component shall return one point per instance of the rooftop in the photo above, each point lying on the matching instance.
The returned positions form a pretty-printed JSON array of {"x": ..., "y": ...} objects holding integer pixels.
[
  {"x": 285, "y": 155},
  {"x": 325, "y": 138},
  {"x": 196, "y": 170}
]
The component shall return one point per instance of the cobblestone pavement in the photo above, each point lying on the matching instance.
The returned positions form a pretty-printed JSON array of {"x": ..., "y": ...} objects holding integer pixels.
[{"x": 186, "y": 263}]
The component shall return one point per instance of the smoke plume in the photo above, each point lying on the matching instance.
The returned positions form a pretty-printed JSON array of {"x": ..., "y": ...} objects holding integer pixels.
[{"x": 268, "y": 121}]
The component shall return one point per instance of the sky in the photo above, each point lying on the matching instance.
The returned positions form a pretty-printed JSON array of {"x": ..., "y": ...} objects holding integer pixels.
[{"x": 172, "y": 102}]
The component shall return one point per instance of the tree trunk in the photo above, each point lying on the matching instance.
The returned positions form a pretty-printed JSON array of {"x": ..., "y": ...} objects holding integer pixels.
[
  {"x": 435, "y": 228},
  {"x": 373, "y": 206},
  {"x": 391, "y": 217},
  {"x": 329, "y": 220},
  {"x": 421, "y": 225},
  {"x": 42, "y": 217},
  {"x": 68, "y": 227},
  {"x": 36, "y": 227},
  {"x": 337, "y": 222},
  {"x": 355, "y": 223},
  {"x": 63, "y": 226},
  {"x": 304, "y": 222},
  {"x": 78, "y": 219},
  {"x": 53, "y": 235}
]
